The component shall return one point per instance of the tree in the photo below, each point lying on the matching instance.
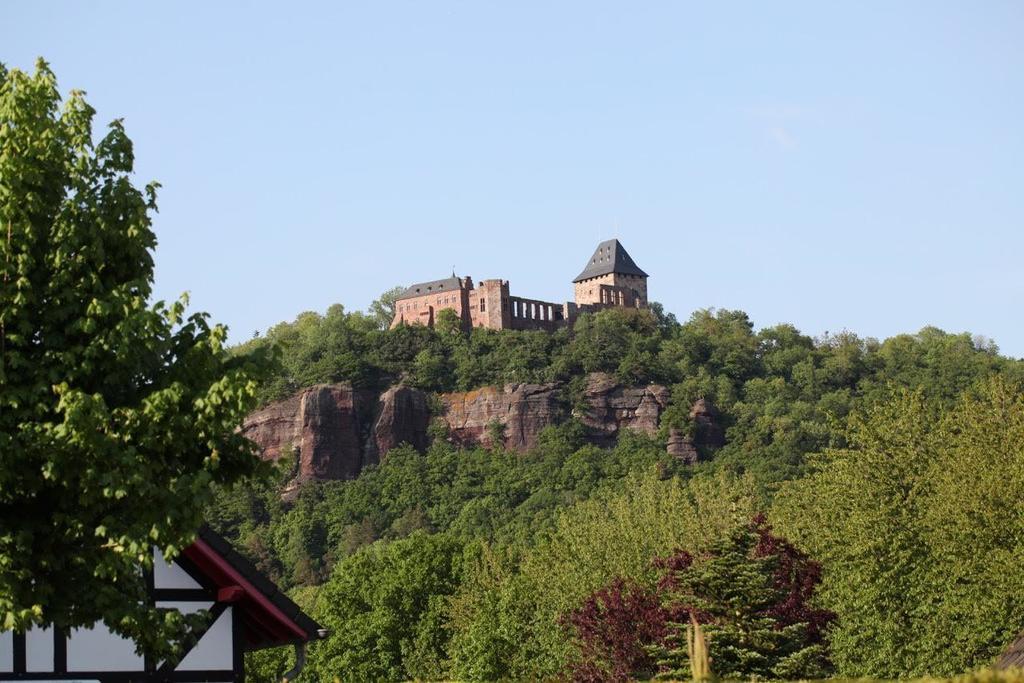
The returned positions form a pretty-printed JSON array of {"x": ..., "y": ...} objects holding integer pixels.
[
  {"x": 750, "y": 593},
  {"x": 116, "y": 417},
  {"x": 388, "y": 602},
  {"x": 383, "y": 309},
  {"x": 613, "y": 626},
  {"x": 917, "y": 524}
]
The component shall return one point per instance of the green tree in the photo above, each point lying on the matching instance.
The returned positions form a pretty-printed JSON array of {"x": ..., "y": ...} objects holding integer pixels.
[
  {"x": 615, "y": 533},
  {"x": 115, "y": 417},
  {"x": 382, "y": 310},
  {"x": 735, "y": 593},
  {"x": 387, "y": 604},
  {"x": 917, "y": 525}
]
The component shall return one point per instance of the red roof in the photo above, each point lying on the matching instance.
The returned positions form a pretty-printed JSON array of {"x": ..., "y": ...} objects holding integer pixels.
[{"x": 269, "y": 617}]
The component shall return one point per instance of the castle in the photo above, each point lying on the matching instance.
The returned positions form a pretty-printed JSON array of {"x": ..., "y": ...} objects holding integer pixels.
[{"x": 610, "y": 279}]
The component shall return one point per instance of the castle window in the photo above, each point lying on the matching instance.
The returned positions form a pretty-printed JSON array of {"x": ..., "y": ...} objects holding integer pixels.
[{"x": 483, "y": 306}]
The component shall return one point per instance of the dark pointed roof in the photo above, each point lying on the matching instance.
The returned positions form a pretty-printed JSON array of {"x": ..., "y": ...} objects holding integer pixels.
[
  {"x": 448, "y": 284},
  {"x": 610, "y": 257}
]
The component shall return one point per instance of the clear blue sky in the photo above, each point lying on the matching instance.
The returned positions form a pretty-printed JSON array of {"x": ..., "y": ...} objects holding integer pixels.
[{"x": 856, "y": 166}]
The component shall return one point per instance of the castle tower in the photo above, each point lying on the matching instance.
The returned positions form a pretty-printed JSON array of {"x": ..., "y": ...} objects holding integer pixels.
[{"x": 611, "y": 278}]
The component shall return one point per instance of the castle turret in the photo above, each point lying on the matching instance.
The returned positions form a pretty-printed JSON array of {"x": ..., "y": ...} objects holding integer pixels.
[{"x": 611, "y": 278}]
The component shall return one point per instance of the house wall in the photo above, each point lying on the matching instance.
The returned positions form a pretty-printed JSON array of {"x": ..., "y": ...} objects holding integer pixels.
[{"x": 98, "y": 655}]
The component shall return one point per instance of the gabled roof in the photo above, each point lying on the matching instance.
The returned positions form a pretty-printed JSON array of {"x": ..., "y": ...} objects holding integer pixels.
[
  {"x": 448, "y": 284},
  {"x": 269, "y": 617},
  {"x": 610, "y": 257}
]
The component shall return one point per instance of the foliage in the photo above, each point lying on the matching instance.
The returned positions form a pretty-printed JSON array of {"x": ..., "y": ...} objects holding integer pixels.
[
  {"x": 781, "y": 394},
  {"x": 543, "y": 532},
  {"x": 917, "y": 525},
  {"x": 750, "y": 592},
  {"x": 115, "y": 417},
  {"x": 613, "y": 626},
  {"x": 616, "y": 533},
  {"x": 387, "y": 605},
  {"x": 382, "y": 310},
  {"x": 750, "y": 595}
]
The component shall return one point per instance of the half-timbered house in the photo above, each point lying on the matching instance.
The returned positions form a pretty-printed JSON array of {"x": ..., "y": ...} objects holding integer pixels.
[{"x": 246, "y": 612}]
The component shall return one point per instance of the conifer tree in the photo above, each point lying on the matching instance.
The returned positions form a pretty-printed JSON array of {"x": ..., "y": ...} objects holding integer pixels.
[{"x": 741, "y": 593}]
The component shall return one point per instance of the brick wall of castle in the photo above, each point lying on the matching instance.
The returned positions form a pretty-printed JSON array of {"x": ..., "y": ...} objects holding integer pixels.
[
  {"x": 613, "y": 289},
  {"x": 489, "y": 305},
  {"x": 423, "y": 309}
]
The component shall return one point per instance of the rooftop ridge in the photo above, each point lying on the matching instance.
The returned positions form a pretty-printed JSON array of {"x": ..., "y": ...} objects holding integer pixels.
[{"x": 610, "y": 257}]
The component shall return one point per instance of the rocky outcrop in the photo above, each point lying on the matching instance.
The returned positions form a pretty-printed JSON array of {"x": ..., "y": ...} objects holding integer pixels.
[
  {"x": 706, "y": 434},
  {"x": 331, "y": 421},
  {"x": 516, "y": 412},
  {"x": 322, "y": 425},
  {"x": 402, "y": 417},
  {"x": 611, "y": 407},
  {"x": 335, "y": 431},
  {"x": 680, "y": 445},
  {"x": 275, "y": 428},
  {"x": 707, "y": 423}
]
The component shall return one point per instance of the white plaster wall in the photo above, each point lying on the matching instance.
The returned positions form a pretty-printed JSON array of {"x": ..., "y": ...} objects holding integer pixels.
[
  {"x": 6, "y": 652},
  {"x": 213, "y": 652},
  {"x": 168, "y": 575},
  {"x": 98, "y": 649},
  {"x": 39, "y": 649}
]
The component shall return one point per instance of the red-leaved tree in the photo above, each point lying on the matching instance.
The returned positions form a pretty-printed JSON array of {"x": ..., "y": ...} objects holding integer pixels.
[
  {"x": 613, "y": 626},
  {"x": 796, "y": 576},
  {"x": 618, "y": 627}
]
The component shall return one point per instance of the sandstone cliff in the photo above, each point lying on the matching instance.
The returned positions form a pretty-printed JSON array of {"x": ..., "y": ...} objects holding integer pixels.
[
  {"x": 520, "y": 411},
  {"x": 611, "y": 407},
  {"x": 335, "y": 430}
]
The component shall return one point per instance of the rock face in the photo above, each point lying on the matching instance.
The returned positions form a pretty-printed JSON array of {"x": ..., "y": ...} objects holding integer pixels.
[
  {"x": 321, "y": 424},
  {"x": 680, "y": 445},
  {"x": 612, "y": 407},
  {"x": 335, "y": 431},
  {"x": 517, "y": 411},
  {"x": 708, "y": 423},
  {"x": 402, "y": 417},
  {"x": 707, "y": 433},
  {"x": 275, "y": 428},
  {"x": 331, "y": 420}
]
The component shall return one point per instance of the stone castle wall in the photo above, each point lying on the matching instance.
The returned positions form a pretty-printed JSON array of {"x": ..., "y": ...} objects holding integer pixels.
[
  {"x": 613, "y": 289},
  {"x": 490, "y": 305}
]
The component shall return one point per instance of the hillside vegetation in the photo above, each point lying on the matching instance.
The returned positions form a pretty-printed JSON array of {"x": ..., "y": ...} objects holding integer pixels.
[{"x": 877, "y": 483}]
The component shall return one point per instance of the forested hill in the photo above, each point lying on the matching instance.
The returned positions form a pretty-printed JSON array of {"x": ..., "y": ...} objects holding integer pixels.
[
  {"x": 494, "y": 551},
  {"x": 776, "y": 388}
]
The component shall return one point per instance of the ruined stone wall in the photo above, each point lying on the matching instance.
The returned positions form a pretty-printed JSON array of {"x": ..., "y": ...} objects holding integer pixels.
[
  {"x": 490, "y": 305},
  {"x": 534, "y": 314}
]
